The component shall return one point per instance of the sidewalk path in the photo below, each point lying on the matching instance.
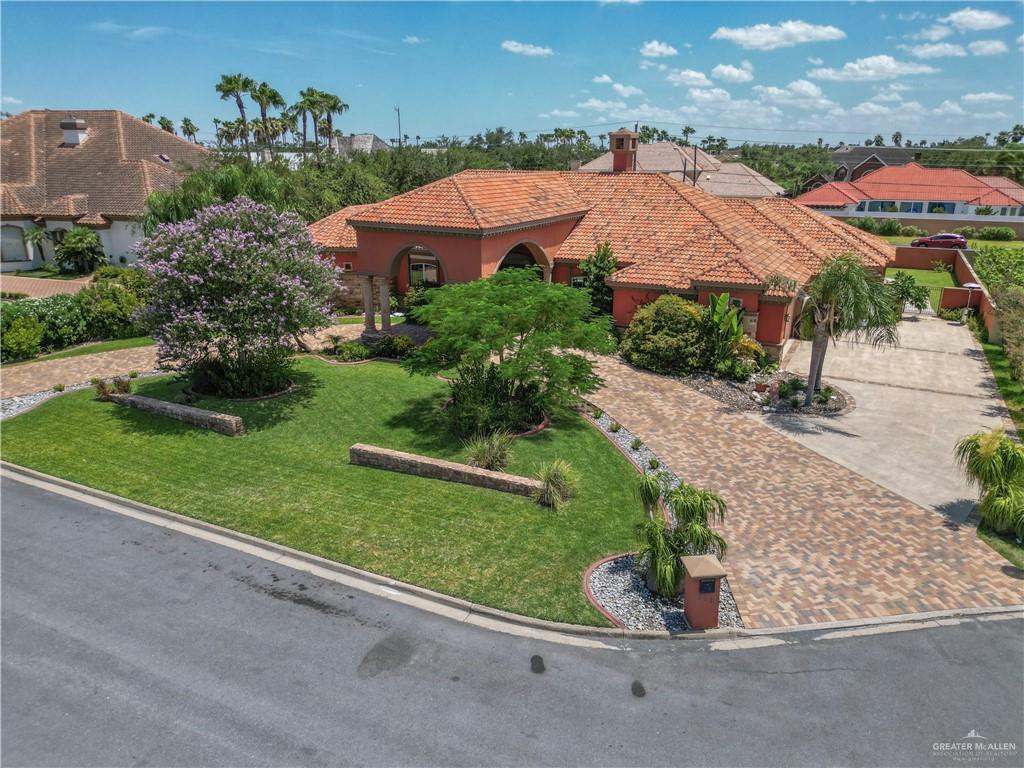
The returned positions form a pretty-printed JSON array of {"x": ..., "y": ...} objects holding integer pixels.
[
  {"x": 809, "y": 540},
  {"x": 35, "y": 377},
  {"x": 39, "y": 288}
]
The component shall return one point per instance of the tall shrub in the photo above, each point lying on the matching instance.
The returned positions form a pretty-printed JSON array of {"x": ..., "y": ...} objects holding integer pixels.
[
  {"x": 232, "y": 288},
  {"x": 595, "y": 268},
  {"x": 80, "y": 250}
]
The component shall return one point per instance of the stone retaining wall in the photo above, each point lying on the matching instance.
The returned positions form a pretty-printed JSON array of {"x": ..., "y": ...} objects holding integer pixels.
[
  {"x": 423, "y": 466},
  {"x": 197, "y": 417}
]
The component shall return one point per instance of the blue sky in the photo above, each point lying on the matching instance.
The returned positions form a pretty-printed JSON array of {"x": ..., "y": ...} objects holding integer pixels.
[{"x": 754, "y": 71}]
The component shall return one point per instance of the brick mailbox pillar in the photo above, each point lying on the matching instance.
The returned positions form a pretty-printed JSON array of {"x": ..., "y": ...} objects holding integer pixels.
[{"x": 702, "y": 585}]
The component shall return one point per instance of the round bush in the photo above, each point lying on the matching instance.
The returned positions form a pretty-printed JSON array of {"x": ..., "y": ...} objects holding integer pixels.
[
  {"x": 664, "y": 337},
  {"x": 64, "y": 323},
  {"x": 909, "y": 230},
  {"x": 21, "y": 339},
  {"x": 997, "y": 233},
  {"x": 969, "y": 232},
  {"x": 109, "y": 311},
  {"x": 80, "y": 250}
]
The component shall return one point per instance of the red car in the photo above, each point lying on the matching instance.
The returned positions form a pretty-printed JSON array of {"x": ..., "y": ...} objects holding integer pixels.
[{"x": 942, "y": 240}]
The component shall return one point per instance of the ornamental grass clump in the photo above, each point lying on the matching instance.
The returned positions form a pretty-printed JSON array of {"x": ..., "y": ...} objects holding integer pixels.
[
  {"x": 558, "y": 484},
  {"x": 491, "y": 451},
  {"x": 232, "y": 289}
]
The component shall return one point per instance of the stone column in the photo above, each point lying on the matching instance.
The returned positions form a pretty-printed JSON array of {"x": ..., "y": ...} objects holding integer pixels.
[
  {"x": 385, "y": 305},
  {"x": 366, "y": 281},
  {"x": 547, "y": 274}
]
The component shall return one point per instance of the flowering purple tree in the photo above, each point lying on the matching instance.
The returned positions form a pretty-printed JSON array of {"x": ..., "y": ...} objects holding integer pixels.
[{"x": 232, "y": 287}]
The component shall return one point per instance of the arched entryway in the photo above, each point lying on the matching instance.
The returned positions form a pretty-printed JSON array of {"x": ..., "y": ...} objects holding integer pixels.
[
  {"x": 413, "y": 265},
  {"x": 526, "y": 254}
]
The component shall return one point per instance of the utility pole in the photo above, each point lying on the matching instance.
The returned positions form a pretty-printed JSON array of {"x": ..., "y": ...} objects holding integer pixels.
[{"x": 398, "y": 111}]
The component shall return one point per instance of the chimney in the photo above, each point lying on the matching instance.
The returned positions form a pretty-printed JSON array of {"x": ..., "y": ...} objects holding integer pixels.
[
  {"x": 623, "y": 144},
  {"x": 74, "y": 131}
]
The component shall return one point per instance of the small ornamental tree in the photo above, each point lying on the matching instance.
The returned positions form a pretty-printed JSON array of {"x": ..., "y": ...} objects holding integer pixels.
[
  {"x": 80, "y": 250},
  {"x": 595, "y": 268},
  {"x": 232, "y": 288},
  {"x": 516, "y": 343}
]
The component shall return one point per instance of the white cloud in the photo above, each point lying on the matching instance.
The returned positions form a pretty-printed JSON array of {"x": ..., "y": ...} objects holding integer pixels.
[
  {"x": 974, "y": 20},
  {"x": 871, "y": 108},
  {"x": 526, "y": 49},
  {"x": 815, "y": 61},
  {"x": 744, "y": 73},
  {"x": 129, "y": 31},
  {"x": 915, "y": 16},
  {"x": 11, "y": 100},
  {"x": 601, "y": 79},
  {"x": 648, "y": 64},
  {"x": 934, "y": 33},
  {"x": 990, "y": 115},
  {"x": 710, "y": 96},
  {"x": 987, "y": 47},
  {"x": 799, "y": 93},
  {"x": 599, "y": 105},
  {"x": 935, "y": 50},
  {"x": 948, "y": 108},
  {"x": 689, "y": 77},
  {"x": 985, "y": 97},
  {"x": 768, "y": 37},
  {"x": 891, "y": 92},
  {"x": 881, "y": 67},
  {"x": 654, "y": 49},
  {"x": 411, "y": 40},
  {"x": 626, "y": 90},
  {"x": 564, "y": 113}
]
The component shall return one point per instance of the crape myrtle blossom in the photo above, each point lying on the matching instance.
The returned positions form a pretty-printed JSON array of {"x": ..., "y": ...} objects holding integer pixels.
[{"x": 239, "y": 279}]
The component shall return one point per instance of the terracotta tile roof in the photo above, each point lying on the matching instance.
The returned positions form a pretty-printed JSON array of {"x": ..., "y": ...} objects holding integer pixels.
[
  {"x": 478, "y": 200},
  {"x": 109, "y": 175},
  {"x": 334, "y": 231},
  {"x": 1008, "y": 186},
  {"x": 665, "y": 233},
  {"x": 914, "y": 182},
  {"x": 659, "y": 157},
  {"x": 738, "y": 180},
  {"x": 835, "y": 193}
]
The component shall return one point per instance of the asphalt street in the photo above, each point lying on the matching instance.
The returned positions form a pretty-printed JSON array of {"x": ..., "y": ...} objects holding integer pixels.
[{"x": 128, "y": 644}]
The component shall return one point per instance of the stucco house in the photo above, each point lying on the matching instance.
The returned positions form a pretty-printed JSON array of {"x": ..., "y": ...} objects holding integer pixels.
[
  {"x": 86, "y": 168},
  {"x": 935, "y": 199},
  {"x": 694, "y": 166},
  {"x": 667, "y": 235}
]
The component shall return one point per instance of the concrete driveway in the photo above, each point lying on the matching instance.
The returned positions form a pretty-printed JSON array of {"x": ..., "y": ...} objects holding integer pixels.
[{"x": 914, "y": 402}]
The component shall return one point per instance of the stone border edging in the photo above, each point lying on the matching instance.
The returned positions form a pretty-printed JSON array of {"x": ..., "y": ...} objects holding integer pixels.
[
  {"x": 71, "y": 388},
  {"x": 253, "y": 546},
  {"x": 201, "y": 418}
]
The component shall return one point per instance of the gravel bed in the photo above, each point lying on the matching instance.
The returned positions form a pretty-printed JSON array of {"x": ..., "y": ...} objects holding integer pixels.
[
  {"x": 12, "y": 406},
  {"x": 623, "y": 592},
  {"x": 745, "y": 397}
]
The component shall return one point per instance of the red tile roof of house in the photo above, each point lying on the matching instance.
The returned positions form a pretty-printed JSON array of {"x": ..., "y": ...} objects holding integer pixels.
[
  {"x": 334, "y": 232},
  {"x": 664, "y": 233},
  {"x": 911, "y": 182},
  {"x": 1010, "y": 187},
  {"x": 108, "y": 176}
]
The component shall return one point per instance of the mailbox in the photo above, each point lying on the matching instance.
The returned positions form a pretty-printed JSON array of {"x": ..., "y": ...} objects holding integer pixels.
[{"x": 702, "y": 586}]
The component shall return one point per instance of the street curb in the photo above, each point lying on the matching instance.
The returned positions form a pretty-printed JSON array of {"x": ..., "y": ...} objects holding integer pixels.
[
  {"x": 590, "y": 595},
  {"x": 437, "y": 602}
]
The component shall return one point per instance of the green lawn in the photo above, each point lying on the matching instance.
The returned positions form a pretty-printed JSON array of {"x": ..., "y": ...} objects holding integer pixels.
[
  {"x": 1005, "y": 544},
  {"x": 288, "y": 480},
  {"x": 91, "y": 349},
  {"x": 48, "y": 274},
  {"x": 934, "y": 281},
  {"x": 358, "y": 320},
  {"x": 1011, "y": 390},
  {"x": 975, "y": 244}
]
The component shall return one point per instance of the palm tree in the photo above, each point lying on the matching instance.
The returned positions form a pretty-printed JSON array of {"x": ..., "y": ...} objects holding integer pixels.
[
  {"x": 844, "y": 299},
  {"x": 266, "y": 96},
  {"x": 166, "y": 124},
  {"x": 306, "y": 106},
  {"x": 332, "y": 106},
  {"x": 189, "y": 129},
  {"x": 648, "y": 492},
  {"x": 36, "y": 236},
  {"x": 149, "y": 117},
  {"x": 695, "y": 510},
  {"x": 216, "y": 130},
  {"x": 994, "y": 463},
  {"x": 687, "y": 132},
  {"x": 897, "y": 139},
  {"x": 234, "y": 87}
]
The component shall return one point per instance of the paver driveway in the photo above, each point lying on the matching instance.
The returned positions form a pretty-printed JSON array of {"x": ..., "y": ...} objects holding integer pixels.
[
  {"x": 914, "y": 401},
  {"x": 39, "y": 288},
  {"x": 809, "y": 539},
  {"x": 35, "y": 377}
]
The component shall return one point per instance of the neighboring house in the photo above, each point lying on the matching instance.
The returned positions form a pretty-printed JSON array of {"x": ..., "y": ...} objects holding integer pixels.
[
  {"x": 85, "y": 168},
  {"x": 358, "y": 142},
  {"x": 853, "y": 161},
  {"x": 686, "y": 163},
  {"x": 935, "y": 199},
  {"x": 667, "y": 236}
]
